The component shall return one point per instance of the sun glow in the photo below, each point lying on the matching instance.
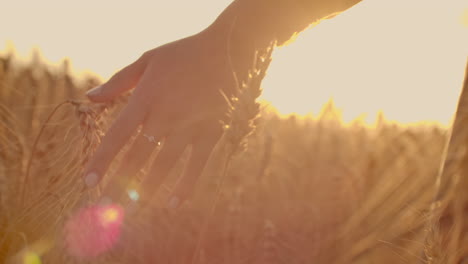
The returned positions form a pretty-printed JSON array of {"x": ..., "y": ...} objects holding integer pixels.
[
  {"x": 403, "y": 57},
  {"x": 464, "y": 18},
  {"x": 406, "y": 58}
]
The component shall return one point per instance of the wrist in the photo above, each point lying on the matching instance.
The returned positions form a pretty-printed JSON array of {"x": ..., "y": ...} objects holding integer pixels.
[
  {"x": 260, "y": 22},
  {"x": 240, "y": 25},
  {"x": 264, "y": 21},
  {"x": 236, "y": 34}
]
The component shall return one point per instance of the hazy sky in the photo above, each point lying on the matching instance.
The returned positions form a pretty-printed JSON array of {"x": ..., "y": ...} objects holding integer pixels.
[{"x": 403, "y": 56}]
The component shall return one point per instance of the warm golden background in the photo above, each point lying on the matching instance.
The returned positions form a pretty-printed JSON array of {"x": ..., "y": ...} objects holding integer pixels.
[
  {"x": 415, "y": 46},
  {"x": 306, "y": 190}
]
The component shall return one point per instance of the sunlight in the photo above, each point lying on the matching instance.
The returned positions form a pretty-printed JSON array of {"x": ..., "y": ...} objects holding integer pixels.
[
  {"x": 405, "y": 58},
  {"x": 411, "y": 67},
  {"x": 464, "y": 17}
]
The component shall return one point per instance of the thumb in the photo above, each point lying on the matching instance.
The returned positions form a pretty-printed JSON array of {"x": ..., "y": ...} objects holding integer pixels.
[{"x": 122, "y": 81}]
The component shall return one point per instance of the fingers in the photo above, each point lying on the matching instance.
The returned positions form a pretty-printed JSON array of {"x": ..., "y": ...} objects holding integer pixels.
[
  {"x": 133, "y": 161},
  {"x": 122, "y": 81},
  {"x": 120, "y": 131},
  {"x": 116, "y": 137},
  {"x": 167, "y": 157},
  {"x": 199, "y": 157}
]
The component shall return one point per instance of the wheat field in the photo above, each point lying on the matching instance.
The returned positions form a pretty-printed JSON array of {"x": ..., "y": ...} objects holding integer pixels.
[{"x": 301, "y": 190}]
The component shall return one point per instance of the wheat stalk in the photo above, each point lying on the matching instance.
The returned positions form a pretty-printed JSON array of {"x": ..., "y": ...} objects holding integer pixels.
[
  {"x": 243, "y": 110},
  {"x": 392, "y": 161},
  {"x": 448, "y": 227}
]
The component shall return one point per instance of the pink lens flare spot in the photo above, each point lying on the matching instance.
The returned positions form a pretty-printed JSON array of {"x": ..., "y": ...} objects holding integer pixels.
[{"x": 93, "y": 230}]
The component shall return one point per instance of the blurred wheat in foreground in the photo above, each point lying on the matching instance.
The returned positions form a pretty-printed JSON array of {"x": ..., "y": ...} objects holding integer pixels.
[{"x": 306, "y": 190}]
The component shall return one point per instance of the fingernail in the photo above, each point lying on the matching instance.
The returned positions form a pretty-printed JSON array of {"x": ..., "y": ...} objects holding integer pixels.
[
  {"x": 173, "y": 202},
  {"x": 91, "y": 179},
  {"x": 95, "y": 91}
]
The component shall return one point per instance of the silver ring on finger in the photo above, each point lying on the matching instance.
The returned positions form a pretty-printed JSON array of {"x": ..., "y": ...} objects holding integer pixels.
[{"x": 151, "y": 139}]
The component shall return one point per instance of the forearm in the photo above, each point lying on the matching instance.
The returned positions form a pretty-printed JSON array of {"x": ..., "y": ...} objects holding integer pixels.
[
  {"x": 247, "y": 26},
  {"x": 263, "y": 21}
]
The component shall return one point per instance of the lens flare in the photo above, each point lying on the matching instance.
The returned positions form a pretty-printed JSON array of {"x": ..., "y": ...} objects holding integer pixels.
[
  {"x": 31, "y": 258},
  {"x": 93, "y": 230},
  {"x": 133, "y": 195},
  {"x": 109, "y": 216}
]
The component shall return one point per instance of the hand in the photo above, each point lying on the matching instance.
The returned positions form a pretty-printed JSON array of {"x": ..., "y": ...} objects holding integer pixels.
[{"x": 177, "y": 100}]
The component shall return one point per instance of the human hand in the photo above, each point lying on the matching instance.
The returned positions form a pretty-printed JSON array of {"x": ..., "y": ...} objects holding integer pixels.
[{"x": 177, "y": 100}]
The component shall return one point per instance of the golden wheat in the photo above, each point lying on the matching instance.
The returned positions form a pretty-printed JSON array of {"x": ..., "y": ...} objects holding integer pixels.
[{"x": 306, "y": 190}]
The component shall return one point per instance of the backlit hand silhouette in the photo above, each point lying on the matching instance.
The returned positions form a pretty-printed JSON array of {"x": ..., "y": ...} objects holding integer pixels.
[
  {"x": 181, "y": 90},
  {"x": 179, "y": 99}
]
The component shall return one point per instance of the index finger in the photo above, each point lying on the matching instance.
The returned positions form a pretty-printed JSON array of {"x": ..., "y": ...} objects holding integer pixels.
[{"x": 121, "y": 130}]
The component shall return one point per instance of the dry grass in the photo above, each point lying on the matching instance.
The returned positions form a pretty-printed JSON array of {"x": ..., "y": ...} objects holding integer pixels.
[{"x": 304, "y": 191}]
